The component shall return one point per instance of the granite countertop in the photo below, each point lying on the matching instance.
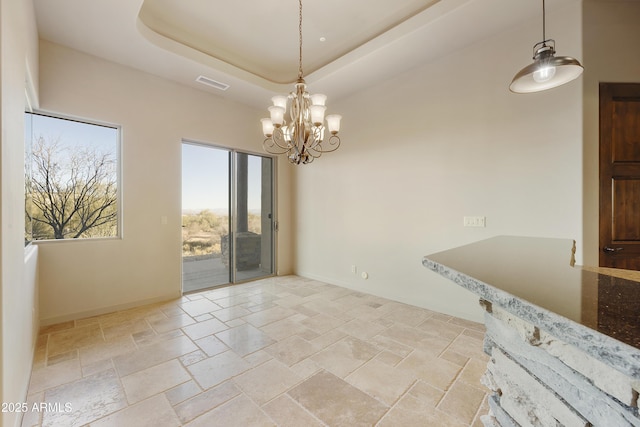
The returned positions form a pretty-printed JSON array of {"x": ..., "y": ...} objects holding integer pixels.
[{"x": 535, "y": 279}]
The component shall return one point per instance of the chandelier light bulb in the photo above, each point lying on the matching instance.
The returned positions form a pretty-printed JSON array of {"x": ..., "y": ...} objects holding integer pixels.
[
  {"x": 267, "y": 127},
  {"x": 317, "y": 114},
  {"x": 318, "y": 99},
  {"x": 280, "y": 101},
  {"x": 277, "y": 115},
  {"x": 333, "y": 123}
]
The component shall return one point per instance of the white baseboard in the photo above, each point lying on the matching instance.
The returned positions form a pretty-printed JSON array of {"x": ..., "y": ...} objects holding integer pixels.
[{"x": 104, "y": 310}]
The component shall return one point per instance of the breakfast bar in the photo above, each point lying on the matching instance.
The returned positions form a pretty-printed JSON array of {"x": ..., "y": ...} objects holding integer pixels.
[{"x": 563, "y": 341}]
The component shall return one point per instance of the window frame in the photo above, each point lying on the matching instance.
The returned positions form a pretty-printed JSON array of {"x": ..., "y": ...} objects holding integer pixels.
[
  {"x": 118, "y": 171},
  {"x": 28, "y": 169}
]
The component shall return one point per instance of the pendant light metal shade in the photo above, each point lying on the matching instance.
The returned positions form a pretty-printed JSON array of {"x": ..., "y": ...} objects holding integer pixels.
[{"x": 547, "y": 71}]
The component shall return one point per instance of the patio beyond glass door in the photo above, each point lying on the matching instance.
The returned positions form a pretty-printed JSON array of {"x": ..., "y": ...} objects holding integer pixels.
[{"x": 227, "y": 216}]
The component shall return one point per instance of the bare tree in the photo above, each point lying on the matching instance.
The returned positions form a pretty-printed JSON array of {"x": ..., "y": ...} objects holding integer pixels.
[{"x": 74, "y": 191}]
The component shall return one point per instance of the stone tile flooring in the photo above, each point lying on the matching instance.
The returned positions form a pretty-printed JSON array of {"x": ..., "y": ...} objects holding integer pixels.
[{"x": 283, "y": 351}]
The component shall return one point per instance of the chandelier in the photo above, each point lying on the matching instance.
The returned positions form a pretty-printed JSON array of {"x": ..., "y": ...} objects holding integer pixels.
[
  {"x": 547, "y": 71},
  {"x": 304, "y": 137}
]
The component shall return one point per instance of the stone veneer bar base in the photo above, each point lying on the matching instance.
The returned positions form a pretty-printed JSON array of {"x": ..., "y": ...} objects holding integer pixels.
[
  {"x": 564, "y": 344},
  {"x": 538, "y": 380}
]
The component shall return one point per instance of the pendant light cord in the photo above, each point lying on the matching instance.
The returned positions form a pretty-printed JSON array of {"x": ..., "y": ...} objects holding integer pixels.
[
  {"x": 544, "y": 24},
  {"x": 300, "y": 74}
]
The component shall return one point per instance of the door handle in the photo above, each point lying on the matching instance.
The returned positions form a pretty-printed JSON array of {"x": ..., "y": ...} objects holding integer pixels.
[{"x": 611, "y": 250}]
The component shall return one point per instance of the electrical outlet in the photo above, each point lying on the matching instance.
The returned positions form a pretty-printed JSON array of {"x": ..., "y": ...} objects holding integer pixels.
[{"x": 475, "y": 221}]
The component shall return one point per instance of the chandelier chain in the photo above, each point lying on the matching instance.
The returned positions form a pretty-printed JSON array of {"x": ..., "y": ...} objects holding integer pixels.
[{"x": 300, "y": 74}]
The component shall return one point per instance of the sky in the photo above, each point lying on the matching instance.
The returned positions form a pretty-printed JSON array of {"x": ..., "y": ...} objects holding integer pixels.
[
  {"x": 205, "y": 178},
  {"x": 75, "y": 133}
]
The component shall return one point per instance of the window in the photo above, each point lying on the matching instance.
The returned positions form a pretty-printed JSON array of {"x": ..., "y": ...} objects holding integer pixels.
[{"x": 72, "y": 178}]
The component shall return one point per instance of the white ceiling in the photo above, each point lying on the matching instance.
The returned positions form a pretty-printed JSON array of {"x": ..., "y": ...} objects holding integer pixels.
[{"x": 252, "y": 45}]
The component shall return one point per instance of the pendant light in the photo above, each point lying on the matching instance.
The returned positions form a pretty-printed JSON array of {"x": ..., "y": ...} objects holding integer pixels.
[{"x": 547, "y": 71}]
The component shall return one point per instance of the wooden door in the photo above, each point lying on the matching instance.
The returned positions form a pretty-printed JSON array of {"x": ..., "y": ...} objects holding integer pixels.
[{"x": 620, "y": 175}]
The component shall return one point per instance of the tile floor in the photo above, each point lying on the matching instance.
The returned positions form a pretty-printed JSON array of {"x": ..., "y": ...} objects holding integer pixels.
[{"x": 283, "y": 351}]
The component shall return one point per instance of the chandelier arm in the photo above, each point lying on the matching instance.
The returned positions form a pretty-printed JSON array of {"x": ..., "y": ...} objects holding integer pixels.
[
  {"x": 273, "y": 144},
  {"x": 314, "y": 152},
  {"x": 269, "y": 147},
  {"x": 314, "y": 147},
  {"x": 298, "y": 105},
  {"x": 280, "y": 139},
  {"x": 313, "y": 139},
  {"x": 332, "y": 144},
  {"x": 309, "y": 154},
  {"x": 317, "y": 144}
]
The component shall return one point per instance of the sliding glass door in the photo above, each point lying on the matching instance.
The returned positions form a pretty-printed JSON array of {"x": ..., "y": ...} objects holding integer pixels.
[
  {"x": 253, "y": 219},
  {"x": 227, "y": 216}
]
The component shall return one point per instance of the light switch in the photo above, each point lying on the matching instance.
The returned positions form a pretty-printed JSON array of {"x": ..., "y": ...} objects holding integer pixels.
[{"x": 475, "y": 221}]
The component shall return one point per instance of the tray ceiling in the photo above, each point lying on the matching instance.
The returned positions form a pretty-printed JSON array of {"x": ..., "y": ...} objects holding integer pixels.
[
  {"x": 261, "y": 37},
  {"x": 251, "y": 46}
]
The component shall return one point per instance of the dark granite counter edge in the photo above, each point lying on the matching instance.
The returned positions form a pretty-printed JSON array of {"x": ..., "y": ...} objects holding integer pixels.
[{"x": 604, "y": 348}]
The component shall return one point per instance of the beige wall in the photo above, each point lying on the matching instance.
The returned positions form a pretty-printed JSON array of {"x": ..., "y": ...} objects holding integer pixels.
[
  {"x": 18, "y": 296},
  {"x": 443, "y": 141},
  {"x": 611, "y": 55},
  {"x": 80, "y": 278}
]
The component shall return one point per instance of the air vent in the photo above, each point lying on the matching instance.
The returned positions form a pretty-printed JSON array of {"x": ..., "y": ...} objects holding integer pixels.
[{"x": 213, "y": 83}]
